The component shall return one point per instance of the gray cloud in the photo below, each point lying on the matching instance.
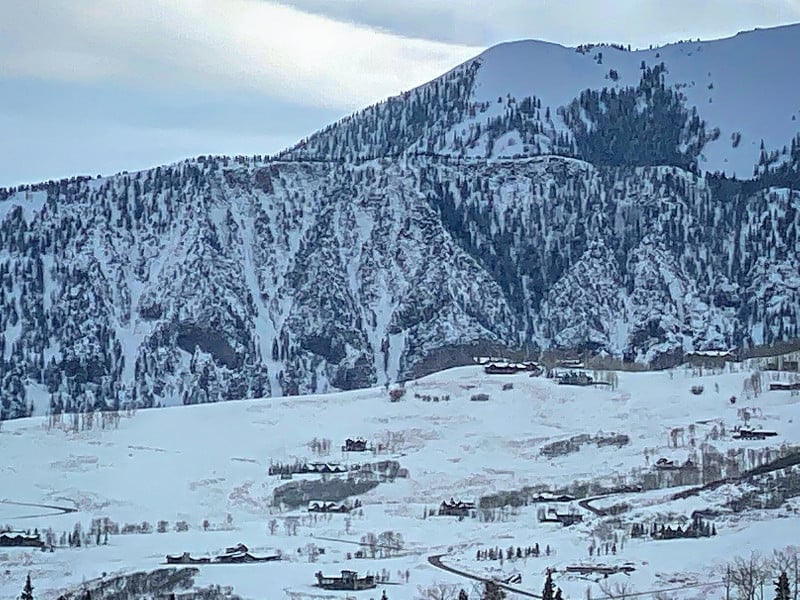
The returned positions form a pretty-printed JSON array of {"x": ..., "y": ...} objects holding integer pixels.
[{"x": 636, "y": 22}]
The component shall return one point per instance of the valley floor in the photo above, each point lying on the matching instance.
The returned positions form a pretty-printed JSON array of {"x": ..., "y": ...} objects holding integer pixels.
[{"x": 210, "y": 463}]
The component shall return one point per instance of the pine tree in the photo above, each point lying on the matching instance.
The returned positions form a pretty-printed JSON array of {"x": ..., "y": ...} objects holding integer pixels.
[
  {"x": 548, "y": 593},
  {"x": 27, "y": 591},
  {"x": 558, "y": 595},
  {"x": 491, "y": 591},
  {"x": 782, "y": 587}
]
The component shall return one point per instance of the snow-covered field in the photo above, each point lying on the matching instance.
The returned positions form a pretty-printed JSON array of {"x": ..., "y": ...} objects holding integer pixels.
[{"x": 207, "y": 462}]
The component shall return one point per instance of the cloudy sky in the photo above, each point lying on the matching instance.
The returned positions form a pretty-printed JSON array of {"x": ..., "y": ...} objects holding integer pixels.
[{"x": 98, "y": 86}]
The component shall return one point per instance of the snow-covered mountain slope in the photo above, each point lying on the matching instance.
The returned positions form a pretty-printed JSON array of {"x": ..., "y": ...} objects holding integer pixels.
[
  {"x": 416, "y": 228},
  {"x": 204, "y": 463},
  {"x": 508, "y": 101}
]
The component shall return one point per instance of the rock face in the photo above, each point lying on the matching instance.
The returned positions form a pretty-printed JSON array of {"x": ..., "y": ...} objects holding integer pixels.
[{"x": 437, "y": 220}]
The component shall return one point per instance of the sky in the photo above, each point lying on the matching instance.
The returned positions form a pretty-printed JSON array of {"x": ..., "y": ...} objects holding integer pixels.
[{"x": 100, "y": 86}]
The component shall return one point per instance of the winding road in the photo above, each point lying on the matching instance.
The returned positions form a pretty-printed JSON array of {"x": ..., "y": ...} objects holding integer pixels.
[
  {"x": 436, "y": 561},
  {"x": 57, "y": 510}
]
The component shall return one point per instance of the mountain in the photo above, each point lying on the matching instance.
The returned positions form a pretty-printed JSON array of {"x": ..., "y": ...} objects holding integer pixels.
[{"x": 534, "y": 197}]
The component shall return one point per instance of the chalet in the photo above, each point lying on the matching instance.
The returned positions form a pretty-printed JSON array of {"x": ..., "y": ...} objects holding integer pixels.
[
  {"x": 326, "y": 468},
  {"x": 241, "y": 554},
  {"x": 575, "y": 378},
  {"x": 709, "y": 359},
  {"x": 566, "y": 519},
  {"x": 357, "y": 445},
  {"x": 348, "y": 581},
  {"x": 546, "y": 497},
  {"x": 186, "y": 559},
  {"x": 599, "y": 569},
  {"x": 323, "y": 506},
  {"x": 20, "y": 539},
  {"x": 753, "y": 434},
  {"x": 784, "y": 387},
  {"x": 455, "y": 508},
  {"x": 510, "y": 368}
]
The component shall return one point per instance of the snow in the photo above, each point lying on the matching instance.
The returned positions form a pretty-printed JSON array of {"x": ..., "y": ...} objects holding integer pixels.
[
  {"x": 31, "y": 203},
  {"x": 205, "y": 462},
  {"x": 734, "y": 83}
]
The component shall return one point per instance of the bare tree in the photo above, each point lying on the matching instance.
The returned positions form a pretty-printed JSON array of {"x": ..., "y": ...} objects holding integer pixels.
[
  {"x": 620, "y": 590},
  {"x": 786, "y": 560},
  {"x": 438, "y": 591},
  {"x": 747, "y": 575}
]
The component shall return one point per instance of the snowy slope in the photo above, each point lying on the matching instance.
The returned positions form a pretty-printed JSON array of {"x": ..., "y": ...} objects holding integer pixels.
[
  {"x": 208, "y": 462},
  {"x": 740, "y": 87},
  {"x": 740, "y": 84}
]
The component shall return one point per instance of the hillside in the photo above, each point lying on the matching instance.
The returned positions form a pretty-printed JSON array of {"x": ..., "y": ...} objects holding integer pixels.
[
  {"x": 535, "y": 197},
  {"x": 537, "y": 437}
]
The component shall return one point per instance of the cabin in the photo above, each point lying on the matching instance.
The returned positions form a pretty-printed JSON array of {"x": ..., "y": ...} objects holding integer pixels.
[
  {"x": 784, "y": 387},
  {"x": 357, "y": 445},
  {"x": 13, "y": 539},
  {"x": 186, "y": 559},
  {"x": 323, "y": 506},
  {"x": 546, "y": 497},
  {"x": 662, "y": 464},
  {"x": 510, "y": 368},
  {"x": 326, "y": 468},
  {"x": 709, "y": 359},
  {"x": 753, "y": 434},
  {"x": 553, "y": 516},
  {"x": 455, "y": 508},
  {"x": 348, "y": 581},
  {"x": 575, "y": 378},
  {"x": 241, "y": 554},
  {"x": 479, "y": 397},
  {"x": 599, "y": 569}
]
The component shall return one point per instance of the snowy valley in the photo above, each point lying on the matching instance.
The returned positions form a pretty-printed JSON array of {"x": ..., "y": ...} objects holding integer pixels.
[{"x": 637, "y": 454}]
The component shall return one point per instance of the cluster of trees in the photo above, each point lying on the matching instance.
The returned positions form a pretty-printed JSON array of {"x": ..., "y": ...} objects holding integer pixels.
[
  {"x": 697, "y": 528},
  {"x": 511, "y": 553},
  {"x": 636, "y": 126}
]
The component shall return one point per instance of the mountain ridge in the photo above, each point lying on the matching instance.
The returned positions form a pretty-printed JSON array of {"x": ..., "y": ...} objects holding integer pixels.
[{"x": 401, "y": 232}]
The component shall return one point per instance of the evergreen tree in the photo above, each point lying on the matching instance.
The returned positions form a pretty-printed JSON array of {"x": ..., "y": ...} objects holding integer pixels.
[
  {"x": 491, "y": 591},
  {"x": 548, "y": 593},
  {"x": 27, "y": 591},
  {"x": 782, "y": 587}
]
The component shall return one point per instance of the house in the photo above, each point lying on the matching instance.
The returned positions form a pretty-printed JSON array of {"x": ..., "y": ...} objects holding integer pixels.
[
  {"x": 575, "y": 378},
  {"x": 753, "y": 434},
  {"x": 547, "y": 497},
  {"x": 566, "y": 519},
  {"x": 455, "y": 508},
  {"x": 327, "y": 468},
  {"x": 348, "y": 581},
  {"x": 709, "y": 359},
  {"x": 324, "y": 506},
  {"x": 20, "y": 539},
  {"x": 357, "y": 445},
  {"x": 509, "y": 368},
  {"x": 241, "y": 554},
  {"x": 784, "y": 387},
  {"x": 186, "y": 559}
]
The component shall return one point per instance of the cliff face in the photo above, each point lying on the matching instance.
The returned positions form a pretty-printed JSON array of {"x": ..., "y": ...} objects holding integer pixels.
[{"x": 438, "y": 219}]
